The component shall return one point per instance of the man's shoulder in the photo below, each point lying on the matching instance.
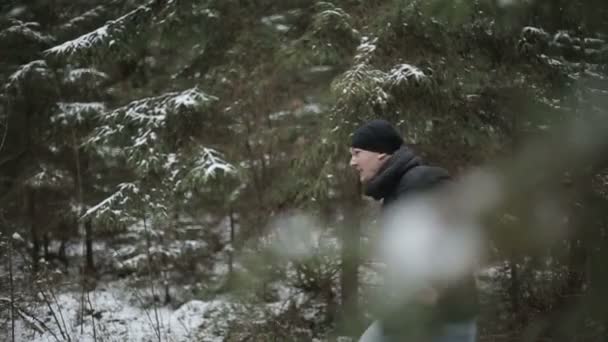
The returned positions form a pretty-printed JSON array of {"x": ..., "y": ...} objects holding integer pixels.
[{"x": 421, "y": 178}]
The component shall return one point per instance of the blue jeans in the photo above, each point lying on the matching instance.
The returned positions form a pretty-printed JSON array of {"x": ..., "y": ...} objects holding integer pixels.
[{"x": 453, "y": 332}]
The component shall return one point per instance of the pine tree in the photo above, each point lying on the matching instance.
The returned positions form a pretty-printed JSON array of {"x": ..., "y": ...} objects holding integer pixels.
[{"x": 175, "y": 162}]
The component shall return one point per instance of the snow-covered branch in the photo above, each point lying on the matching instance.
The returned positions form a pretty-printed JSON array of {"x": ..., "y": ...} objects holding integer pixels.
[
  {"x": 105, "y": 37},
  {"x": 365, "y": 50},
  {"x": 362, "y": 82},
  {"x": 85, "y": 18},
  {"x": 404, "y": 74},
  {"x": 208, "y": 163},
  {"x": 126, "y": 192},
  {"x": 16, "y": 80},
  {"x": 25, "y": 31},
  {"x": 85, "y": 74},
  {"x": 50, "y": 176},
  {"x": 146, "y": 116},
  {"x": 154, "y": 110},
  {"x": 77, "y": 112},
  {"x": 330, "y": 16}
]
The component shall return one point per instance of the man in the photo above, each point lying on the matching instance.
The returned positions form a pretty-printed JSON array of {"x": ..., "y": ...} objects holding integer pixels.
[{"x": 390, "y": 172}]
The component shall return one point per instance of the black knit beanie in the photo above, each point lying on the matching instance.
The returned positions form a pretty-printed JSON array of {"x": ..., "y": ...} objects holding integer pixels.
[{"x": 377, "y": 136}]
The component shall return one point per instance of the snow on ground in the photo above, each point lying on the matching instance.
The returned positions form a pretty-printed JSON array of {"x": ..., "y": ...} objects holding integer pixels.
[{"x": 120, "y": 317}]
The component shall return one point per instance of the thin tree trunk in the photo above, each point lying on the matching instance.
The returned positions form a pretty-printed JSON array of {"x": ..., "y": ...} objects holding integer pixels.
[
  {"x": 349, "y": 280},
  {"x": 88, "y": 250},
  {"x": 45, "y": 243},
  {"x": 81, "y": 170},
  {"x": 11, "y": 288},
  {"x": 231, "y": 251},
  {"x": 31, "y": 214},
  {"x": 576, "y": 267},
  {"x": 61, "y": 254},
  {"x": 167, "y": 292},
  {"x": 157, "y": 328},
  {"x": 165, "y": 264},
  {"x": 514, "y": 288},
  {"x": 88, "y": 233}
]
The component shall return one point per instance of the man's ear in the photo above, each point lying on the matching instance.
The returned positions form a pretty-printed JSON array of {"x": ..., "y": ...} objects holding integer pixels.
[{"x": 382, "y": 156}]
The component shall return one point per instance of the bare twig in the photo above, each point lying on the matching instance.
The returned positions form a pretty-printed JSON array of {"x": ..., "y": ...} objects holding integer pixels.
[
  {"x": 11, "y": 289},
  {"x": 4, "y": 138},
  {"x": 65, "y": 327},
  {"x": 185, "y": 327},
  {"x": 146, "y": 311},
  {"x": 139, "y": 298},
  {"x": 81, "y": 311},
  {"x": 92, "y": 316},
  {"x": 53, "y": 314},
  {"x": 231, "y": 251}
]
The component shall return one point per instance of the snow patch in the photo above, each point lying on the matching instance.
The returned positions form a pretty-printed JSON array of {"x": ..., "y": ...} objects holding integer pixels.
[{"x": 117, "y": 315}]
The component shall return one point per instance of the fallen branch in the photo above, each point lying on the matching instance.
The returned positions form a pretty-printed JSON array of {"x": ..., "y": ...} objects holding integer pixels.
[{"x": 35, "y": 323}]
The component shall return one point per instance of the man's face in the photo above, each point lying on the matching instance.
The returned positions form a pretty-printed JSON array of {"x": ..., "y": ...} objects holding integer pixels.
[{"x": 367, "y": 163}]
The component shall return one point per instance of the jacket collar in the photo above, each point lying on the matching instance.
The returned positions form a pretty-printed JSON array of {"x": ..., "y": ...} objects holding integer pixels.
[{"x": 388, "y": 177}]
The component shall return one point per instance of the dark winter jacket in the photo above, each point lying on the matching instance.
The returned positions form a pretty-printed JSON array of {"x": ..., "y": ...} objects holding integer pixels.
[{"x": 402, "y": 176}]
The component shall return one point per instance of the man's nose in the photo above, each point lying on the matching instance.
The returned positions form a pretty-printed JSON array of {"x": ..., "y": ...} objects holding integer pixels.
[{"x": 352, "y": 162}]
